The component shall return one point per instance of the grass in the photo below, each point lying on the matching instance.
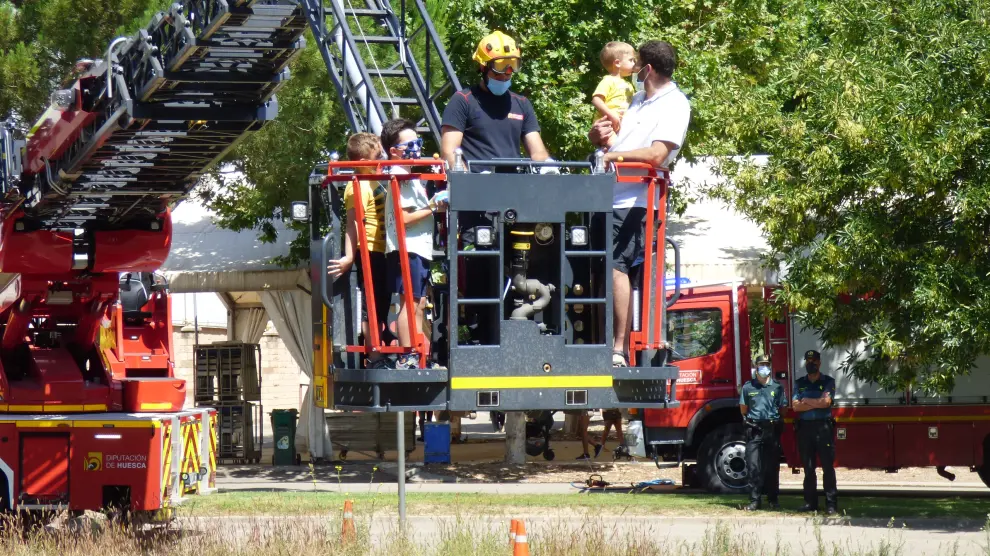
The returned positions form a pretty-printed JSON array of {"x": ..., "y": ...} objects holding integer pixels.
[
  {"x": 322, "y": 503},
  {"x": 462, "y": 536}
]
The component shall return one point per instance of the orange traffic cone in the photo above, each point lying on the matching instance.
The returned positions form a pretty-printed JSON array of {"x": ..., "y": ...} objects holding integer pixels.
[
  {"x": 521, "y": 547},
  {"x": 347, "y": 531},
  {"x": 512, "y": 533}
]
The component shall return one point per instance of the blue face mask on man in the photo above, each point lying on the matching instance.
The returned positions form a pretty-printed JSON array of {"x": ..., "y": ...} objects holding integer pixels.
[{"x": 499, "y": 88}]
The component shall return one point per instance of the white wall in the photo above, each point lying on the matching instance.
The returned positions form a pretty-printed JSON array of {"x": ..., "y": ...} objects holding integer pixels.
[{"x": 211, "y": 311}]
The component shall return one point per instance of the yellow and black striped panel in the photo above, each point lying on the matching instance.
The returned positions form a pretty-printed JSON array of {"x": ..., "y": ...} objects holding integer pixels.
[{"x": 166, "y": 464}]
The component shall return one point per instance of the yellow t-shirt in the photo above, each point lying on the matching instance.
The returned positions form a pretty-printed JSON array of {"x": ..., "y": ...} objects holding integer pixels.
[
  {"x": 617, "y": 93},
  {"x": 373, "y": 195}
]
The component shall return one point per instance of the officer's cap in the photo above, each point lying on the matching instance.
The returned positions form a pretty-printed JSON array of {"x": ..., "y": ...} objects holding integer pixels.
[{"x": 812, "y": 355}]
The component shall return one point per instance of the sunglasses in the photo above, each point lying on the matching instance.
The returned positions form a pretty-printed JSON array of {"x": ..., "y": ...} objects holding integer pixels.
[
  {"x": 505, "y": 66},
  {"x": 410, "y": 147}
]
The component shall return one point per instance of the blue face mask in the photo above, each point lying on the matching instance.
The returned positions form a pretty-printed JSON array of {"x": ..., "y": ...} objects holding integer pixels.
[{"x": 499, "y": 88}]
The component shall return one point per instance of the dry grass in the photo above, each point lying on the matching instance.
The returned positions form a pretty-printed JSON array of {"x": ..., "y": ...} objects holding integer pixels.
[{"x": 460, "y": 536}]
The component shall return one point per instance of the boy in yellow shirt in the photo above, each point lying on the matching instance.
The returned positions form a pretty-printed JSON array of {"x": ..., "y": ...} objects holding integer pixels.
[
  {"x": 367, "y": 146},
  {"x": 614, "y": 92}
]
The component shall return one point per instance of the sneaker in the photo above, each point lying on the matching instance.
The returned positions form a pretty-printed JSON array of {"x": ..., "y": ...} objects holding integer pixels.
[
  {"x": 831, "y": 510},
  {"x": 408, "y": 361},
  {"x": 381, "y": 363},
  {"x": 808, "y": 508},
  {"x": 752, "y": 507},
  {"x": 619, "y": 360},
  {"x": 598, "y": 449},
  {"x": 583, "y": 456}
]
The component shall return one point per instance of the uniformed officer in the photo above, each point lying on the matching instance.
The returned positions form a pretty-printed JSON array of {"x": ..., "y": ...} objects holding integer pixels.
[
  {"x": 760, "y": 402},
  {"x": 813, "y": 399}
]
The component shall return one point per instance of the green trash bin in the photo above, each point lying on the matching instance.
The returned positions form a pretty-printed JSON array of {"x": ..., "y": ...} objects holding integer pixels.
[{"x": 284, "y": 431}]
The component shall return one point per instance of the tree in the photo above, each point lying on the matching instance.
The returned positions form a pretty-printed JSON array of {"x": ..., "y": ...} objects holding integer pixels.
[
  {"x": 725, "y": 47},
  {"x": 876, "y": 194},
  {"x": 41, "y": 40}
]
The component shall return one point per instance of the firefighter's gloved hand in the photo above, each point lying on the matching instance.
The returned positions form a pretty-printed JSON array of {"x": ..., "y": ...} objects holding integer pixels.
[{"x": 549, "y": 169}]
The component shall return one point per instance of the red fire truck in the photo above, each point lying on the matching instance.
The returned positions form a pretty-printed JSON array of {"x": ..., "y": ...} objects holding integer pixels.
[
  {"x": 709, "y": 332},
  {"x": 91, "y": 413}
]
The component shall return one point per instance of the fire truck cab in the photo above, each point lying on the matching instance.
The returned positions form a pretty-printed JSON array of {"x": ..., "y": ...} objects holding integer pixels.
[{"x": 709, "y": 334}]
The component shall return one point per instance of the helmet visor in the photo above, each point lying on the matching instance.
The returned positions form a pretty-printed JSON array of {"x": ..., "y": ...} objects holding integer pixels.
[{"x": 505, "y": 65}]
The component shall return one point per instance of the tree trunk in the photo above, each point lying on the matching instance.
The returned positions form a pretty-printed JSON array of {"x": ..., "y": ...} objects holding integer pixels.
[{"x": 515, "y": 437}]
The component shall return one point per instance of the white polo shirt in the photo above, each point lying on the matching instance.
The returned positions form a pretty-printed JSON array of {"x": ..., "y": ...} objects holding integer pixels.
[{"x": 662, "y": 117}]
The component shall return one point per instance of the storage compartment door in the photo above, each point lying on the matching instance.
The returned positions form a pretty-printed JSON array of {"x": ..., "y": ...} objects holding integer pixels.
[{"x": 45, "y": 467}]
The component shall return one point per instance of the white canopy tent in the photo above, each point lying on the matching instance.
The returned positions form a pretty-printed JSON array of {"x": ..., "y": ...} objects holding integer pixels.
[
  {"x": 206, "y": 258},
  {"x": 717, "y": 243}
]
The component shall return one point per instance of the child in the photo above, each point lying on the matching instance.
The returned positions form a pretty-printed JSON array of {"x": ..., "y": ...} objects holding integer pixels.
[
  {"x": 402, "y": 142},
  {"x": 614, "y": 92},
  {"x": 365, "y": 146}
]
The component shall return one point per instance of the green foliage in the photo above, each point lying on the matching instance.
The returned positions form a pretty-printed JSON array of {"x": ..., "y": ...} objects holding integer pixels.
[
  {"x": 876, "y": 195},
  {"x": 40, "y": 41}
]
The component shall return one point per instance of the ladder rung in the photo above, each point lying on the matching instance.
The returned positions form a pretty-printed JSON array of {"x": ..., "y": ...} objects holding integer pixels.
[
  {"x": 410, "y": 101},
  {"x": 376, "y": 39},
  {"x": 387, "y": 72},
  {"x": 365, "y": 12}
]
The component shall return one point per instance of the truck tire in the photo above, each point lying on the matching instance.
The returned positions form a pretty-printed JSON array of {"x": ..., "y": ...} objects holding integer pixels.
[
  {"x": 984, "y": 472},
  {"x": 722, "y": 460}
]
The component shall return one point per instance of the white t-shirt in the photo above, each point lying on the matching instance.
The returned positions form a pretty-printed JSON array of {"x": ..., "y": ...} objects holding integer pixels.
[
  {"x": 663, "y": 117},
  {"x": 419, "y": 234}
]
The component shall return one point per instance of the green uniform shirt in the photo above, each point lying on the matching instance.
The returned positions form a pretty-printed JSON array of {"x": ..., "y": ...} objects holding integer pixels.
[{"x": 763, "y": 400}]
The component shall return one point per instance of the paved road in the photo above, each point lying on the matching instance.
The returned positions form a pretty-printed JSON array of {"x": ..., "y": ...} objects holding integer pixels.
[
  {"x": 784, "y": 535},
  {"x": 382, "y": 477}
]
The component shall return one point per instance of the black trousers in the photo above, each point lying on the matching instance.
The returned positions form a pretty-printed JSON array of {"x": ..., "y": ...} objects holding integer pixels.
[
  {"x": 816, "y": 442},
  {"x": 763, "y": 460}
]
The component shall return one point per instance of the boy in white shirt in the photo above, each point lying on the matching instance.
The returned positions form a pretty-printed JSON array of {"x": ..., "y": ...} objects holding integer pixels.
[{"x": 400, "y": 140}]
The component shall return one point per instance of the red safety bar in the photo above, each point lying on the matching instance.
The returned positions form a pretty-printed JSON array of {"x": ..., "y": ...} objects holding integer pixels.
[
  {"x": 657, "y": 182},
  {"x": 378, "y": 174}
]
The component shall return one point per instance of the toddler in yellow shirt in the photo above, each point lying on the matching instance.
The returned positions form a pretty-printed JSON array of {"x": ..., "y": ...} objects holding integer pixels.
[{"x": 614, "y": 92}]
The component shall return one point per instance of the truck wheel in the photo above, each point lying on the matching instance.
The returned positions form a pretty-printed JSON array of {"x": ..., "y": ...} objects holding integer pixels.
[
  {"x": 722, "y": 460},
  {"x": 984, "y": 472}
]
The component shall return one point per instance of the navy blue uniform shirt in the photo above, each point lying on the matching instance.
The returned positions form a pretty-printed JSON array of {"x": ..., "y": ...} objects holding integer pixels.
[
  {"x": 493, "y": 125},
  {"x": 805, "y": 389}
]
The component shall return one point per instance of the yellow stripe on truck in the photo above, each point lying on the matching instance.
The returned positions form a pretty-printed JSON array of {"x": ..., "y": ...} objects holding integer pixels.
[
  {"x": 156, "y": 406},
  {"x": 519, "y": 382}
]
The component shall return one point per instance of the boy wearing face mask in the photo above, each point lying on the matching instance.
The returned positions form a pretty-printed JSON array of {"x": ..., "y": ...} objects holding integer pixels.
[
  {"x": 813, "y": 398},
  {"x": 401, "y": 142},
  {"x": 760, "y": 402}
]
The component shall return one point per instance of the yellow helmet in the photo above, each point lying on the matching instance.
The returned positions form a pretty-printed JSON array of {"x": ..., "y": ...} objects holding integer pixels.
[{"x": 499, "y": 53}]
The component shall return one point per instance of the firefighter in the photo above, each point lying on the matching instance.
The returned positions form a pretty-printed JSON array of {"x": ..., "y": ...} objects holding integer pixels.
[
  {"x": 813, "y": 398},
  {"x": 487, "y": 120},
  {"x": 760, "y": 402}
]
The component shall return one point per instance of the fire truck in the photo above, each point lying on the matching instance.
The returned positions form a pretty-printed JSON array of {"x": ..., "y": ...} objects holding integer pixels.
[
  {"x": 91, "y": 414},
  {"x": 708, "y": 331}
]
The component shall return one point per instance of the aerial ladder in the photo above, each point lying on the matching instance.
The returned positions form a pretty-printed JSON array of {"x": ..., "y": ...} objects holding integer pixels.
[
  {"x": 91, "y": 413},
  {"x": 539, "y": 313}
]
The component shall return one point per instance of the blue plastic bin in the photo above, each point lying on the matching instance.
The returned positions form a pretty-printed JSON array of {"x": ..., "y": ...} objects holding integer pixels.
[{"x": 436, "y": 440}]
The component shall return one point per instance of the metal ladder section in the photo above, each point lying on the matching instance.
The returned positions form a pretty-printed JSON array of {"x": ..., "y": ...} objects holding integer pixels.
[{"x": 371, "y": 53}]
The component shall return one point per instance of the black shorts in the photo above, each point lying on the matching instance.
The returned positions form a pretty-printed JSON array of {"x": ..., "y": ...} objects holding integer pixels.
[
  {"x": 379, "y": 279},
  {"x": 612, "y": 416},
  {"x": 628, "y": 238},
  {"x": 419, "y": 274}
]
